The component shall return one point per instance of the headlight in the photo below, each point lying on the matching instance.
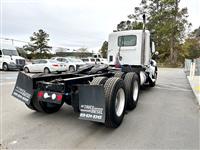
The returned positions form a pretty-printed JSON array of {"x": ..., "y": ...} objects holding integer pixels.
[{"x": 12, "y": 63}]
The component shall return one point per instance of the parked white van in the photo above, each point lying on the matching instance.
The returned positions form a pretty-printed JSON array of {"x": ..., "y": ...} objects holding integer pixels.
[{"x": 9, "y": 58}]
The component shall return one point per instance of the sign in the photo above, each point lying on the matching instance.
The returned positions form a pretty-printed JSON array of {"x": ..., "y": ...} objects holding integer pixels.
[
  {"x": 92, "y": 103},
  {"x": 23, "y": 88}
]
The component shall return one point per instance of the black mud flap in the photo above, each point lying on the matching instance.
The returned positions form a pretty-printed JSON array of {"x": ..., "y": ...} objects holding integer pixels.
[
  {"x": 92, "y": 103},
  {"x": 23, "y": 88}
]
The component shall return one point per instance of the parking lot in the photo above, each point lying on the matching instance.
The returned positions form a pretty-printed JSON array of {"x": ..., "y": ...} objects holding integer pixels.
[{"x": 166, "y": 116}]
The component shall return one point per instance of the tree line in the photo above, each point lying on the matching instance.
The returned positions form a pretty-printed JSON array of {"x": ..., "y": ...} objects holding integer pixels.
[
  {"x": 38, "y": 48},
  {"x": 167, "y": 23}
]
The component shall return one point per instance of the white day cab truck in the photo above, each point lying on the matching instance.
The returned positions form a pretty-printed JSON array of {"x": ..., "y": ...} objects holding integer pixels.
[
  {"x": 9, "y": 58},
  {"x": 99, "y": 93}
]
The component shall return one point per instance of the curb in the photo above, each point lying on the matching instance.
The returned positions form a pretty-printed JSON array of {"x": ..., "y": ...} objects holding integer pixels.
[{"x": 195, "y": 85}]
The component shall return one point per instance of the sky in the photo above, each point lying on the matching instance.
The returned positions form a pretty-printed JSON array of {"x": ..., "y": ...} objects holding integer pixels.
[{"x": 72, "y": 23}]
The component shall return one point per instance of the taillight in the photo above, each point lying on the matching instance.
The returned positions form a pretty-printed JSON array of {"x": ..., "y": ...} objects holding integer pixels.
[
  {"x": 117, "y": 66},
  {"x": 55, "y": 65},
  {"x": 40, "y": 94},
  {"x": 59, "y": 98}
]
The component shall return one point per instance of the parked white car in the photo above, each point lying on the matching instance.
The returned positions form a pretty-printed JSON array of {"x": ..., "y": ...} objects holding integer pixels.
[
  {"x": 77, "y": 62},
  {"x": 72, "y": 63},
  {"x": 46, "y": 66},
  {"x": 9, "y": 58},
  {"x": 89, "y": 60},
  {"x": 100, "y": 59}
]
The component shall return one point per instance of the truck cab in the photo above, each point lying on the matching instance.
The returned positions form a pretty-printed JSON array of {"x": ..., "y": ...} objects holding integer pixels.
[
  {"x": 9, "y": 58},
  {"x": 133, "y": 46}
]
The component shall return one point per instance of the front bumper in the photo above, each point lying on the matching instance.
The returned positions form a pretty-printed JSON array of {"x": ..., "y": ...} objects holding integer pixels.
[{"x": 15, "y": 66}]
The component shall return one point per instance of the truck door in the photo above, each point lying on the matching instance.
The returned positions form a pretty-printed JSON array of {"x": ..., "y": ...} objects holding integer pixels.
[{"x": 128, "y": 51}]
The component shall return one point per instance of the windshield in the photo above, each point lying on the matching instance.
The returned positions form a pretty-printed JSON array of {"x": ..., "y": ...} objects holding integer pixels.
[{"x": 10, "y": 52}]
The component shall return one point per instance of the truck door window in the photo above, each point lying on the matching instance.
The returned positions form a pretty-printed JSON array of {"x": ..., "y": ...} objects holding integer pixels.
[{"x": 127, "y": 40}]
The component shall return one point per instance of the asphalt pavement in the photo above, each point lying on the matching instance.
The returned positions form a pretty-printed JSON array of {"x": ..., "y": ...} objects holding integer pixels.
[{"x": 166, "y": 117}]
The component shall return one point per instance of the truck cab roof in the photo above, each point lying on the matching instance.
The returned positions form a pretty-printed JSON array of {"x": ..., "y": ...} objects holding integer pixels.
[{"x": 127, "y": 32}]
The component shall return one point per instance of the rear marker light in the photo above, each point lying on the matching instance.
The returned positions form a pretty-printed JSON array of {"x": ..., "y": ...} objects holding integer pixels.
[
  {"x": 40, "y": 94},
  {"x": 59, "y": 98}
]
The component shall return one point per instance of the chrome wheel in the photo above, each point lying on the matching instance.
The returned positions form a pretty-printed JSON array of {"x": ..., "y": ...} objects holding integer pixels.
[
  {"x": 135, "y": 90},
  {"x": 120, "y": 102}
]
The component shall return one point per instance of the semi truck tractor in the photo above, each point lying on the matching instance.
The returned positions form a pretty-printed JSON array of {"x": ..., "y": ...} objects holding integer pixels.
[
  {"x": 99, "y": 93},
  {"x": 9, "y": 58}
]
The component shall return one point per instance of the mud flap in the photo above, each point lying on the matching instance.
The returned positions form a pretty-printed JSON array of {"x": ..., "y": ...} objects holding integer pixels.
[
  {"x": 23, "y": 88},
  {"x": 92, "y": 103}
]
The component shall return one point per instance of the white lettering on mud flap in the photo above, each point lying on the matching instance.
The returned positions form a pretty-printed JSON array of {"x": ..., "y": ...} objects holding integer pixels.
[{"x": 92, "y": 103}]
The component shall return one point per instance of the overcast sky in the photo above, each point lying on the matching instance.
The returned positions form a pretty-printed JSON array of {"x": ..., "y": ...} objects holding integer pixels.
[{"x": 72, "y": 23}]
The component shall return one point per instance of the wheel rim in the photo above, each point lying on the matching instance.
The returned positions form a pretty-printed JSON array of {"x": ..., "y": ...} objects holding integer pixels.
[
  {"x": 26, "y": 70},
  {"x": 155, "y": 77},
  {"x": 71, "y": 69},
  {"x": 119, "y": 102},
  {"x": 46, "y": 70},
  {"x": 5, "y": 67},
  {"x": 135, "y": 90}
]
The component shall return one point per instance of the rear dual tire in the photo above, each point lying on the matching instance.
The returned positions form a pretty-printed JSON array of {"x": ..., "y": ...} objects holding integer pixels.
[
  {"x": 114, "y": 90},
  {"x": 115, "y": 96},
  {"x": 132, "y": 84}
]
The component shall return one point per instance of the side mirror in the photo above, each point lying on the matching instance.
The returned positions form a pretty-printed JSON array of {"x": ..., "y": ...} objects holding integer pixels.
[{"x": 156, "y": 53}]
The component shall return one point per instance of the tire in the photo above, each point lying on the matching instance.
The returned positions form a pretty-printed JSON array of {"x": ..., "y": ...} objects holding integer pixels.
[
  {"x": 99, "y": 81},
  {"x": 45, "y": 106},
  {"x": 114, "y": 90},
  {"x": 5, "y": 67},
  {"x": 120, "y": 75},
  {"x": 72, "y": 68},
  {"x": 132, "y": 84},
  {"x": 153, "y": 83},
  {"x": 31, "y": 106},
  {"x": 46, "y": 70},
  {"x": 26, "y": 70}
]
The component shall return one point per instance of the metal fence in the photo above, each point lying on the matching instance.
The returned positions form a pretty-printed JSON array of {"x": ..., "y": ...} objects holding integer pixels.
[{"x": 192, "y": 66}]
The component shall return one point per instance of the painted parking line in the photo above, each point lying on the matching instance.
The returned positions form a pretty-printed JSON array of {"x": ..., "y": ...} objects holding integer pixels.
[
  {"x": 7, "y": 83},
  {"x": 172, "y": 88}
]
